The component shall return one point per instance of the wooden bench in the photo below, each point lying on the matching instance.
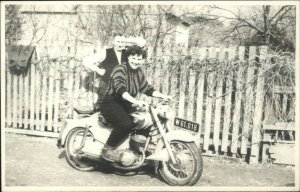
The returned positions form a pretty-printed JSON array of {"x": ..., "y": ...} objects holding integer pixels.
[{"x": 279, "y": 143}]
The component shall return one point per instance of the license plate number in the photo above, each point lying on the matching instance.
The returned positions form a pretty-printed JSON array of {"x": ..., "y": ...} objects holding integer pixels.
[{"x": 188, "y": 125}]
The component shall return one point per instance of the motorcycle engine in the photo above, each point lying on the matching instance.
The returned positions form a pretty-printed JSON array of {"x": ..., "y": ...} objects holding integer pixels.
[
  {"x": 137, "y": 142},
  {"x": 128, "y": 158}
]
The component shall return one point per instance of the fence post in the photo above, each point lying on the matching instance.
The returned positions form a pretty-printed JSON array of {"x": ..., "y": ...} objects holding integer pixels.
[
  {"x": 76, "y": 87},
  {"x": 211, "y": 53},
  {"x": 37, "y": 90},
  {"x": 258, "y": 110},
  {"x": 173, "y": 70},
  {"x": 228, "y": 105},
  {"x": 238, "y": 99},
  {"x": 15, "y": 100},
  {"x": 32, "y": 94},
  {"x": 191, "y": 96},
  {"x": 208, "y": 112},
  {"x": 200, "y": 95},
  {"x": 38, "y": 98},
  {"x": 199, "y": 112},
  {"x": 248, "y": 100},
  {"x": 157, "y": 72},
  {"x": 70, "y": 87},
  {"x": 182, "y": 87},
  {"x": 56, "y": 97},
  {"x": 150, "y": 72},
  {"x": 284, "y": 104},
  {"x": 21, "y": 101},
  {"x": 291, "y": 112},
  {"x": 218, "y": 106},
  {"x": 9, "y": 96},
  {"x": 43, "y": 109},
  {"x": 50, "y": 97}
]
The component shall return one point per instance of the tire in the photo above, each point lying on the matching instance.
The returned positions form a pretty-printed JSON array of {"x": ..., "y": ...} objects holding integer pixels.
[
  {"x": 78, "y": 163},
  {"x": 174, "y": 174}
]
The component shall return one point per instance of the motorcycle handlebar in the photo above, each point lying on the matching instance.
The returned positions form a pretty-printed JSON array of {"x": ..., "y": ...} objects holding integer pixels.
[
  {"x": 136, "y": 105},
  {"x": 160, "y": 103}
]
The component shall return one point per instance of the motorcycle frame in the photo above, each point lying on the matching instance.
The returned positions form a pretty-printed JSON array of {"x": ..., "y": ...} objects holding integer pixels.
[
  {"x": 160, "y": 153},
  {"x": 156, "y": 122}
]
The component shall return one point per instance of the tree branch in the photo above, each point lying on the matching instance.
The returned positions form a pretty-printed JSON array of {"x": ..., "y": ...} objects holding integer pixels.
[
  {"x": 278, "y": 12},
  {"x": 236, "y": 17}
]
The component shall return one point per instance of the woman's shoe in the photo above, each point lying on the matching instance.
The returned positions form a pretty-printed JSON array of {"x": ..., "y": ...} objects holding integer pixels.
[{"x": 110, "y": 154}]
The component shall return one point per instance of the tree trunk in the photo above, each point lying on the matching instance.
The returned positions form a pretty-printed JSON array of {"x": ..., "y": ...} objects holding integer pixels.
[
  {"x": 160, "y": 16},
  {"x": 267, "y": 24}
]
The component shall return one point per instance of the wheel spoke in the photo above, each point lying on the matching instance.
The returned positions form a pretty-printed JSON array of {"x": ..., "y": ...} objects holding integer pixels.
[
  {"x": 75, "y": 144},
  {"x": 188, "y": 168},
  {"x": 187, "y": 164}
]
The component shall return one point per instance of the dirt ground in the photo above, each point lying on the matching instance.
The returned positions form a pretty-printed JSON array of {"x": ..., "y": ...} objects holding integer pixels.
[{"x": 36, "y": 161}]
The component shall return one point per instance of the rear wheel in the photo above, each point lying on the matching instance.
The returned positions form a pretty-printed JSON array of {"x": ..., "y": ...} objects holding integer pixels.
[
  {"x": 188, "y": 169},
  {"x": 72, "y": 145}
]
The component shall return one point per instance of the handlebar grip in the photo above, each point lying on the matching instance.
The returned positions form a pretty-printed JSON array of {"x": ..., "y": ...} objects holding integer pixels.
[{"x": 136, "y": 105}]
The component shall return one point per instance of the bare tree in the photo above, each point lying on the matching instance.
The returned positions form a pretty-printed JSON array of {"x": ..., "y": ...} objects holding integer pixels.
[
  {"x": 98, "y": 23},
  {"x": 13, "y": 23},
  {"x": 38, "y": 27},
  {"x": 268, "y": 25}
]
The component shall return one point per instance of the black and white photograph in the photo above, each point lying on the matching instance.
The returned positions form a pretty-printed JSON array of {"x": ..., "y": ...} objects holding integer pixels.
[{"x": 150, "y": 96}]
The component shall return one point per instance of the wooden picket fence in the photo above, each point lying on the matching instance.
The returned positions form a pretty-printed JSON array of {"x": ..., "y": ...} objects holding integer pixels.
[
  {"x": 206, "y": 98},
  {"x": 228, "y": 107}
]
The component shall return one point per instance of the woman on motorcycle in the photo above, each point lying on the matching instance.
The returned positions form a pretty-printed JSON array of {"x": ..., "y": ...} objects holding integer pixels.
[{"x": 126, "y": 81}]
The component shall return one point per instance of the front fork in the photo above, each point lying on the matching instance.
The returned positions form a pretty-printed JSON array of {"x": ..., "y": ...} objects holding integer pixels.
[{"x": 163, "y": 133}]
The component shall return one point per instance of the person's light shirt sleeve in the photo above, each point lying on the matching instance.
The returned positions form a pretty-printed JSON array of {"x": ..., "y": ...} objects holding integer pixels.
[{"x": 92, "y": 60}]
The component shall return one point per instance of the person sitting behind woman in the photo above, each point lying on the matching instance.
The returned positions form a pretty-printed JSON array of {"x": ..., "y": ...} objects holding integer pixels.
[{"x": 126, "y": 81}]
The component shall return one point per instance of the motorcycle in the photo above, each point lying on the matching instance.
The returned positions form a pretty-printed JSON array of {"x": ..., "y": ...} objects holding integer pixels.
[{"x": 154, "y": 141}]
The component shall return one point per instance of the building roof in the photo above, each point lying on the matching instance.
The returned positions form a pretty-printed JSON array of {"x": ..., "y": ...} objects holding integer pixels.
[
  {"x": 48, "y": 9},
  {"x": 172, "y": 18}
]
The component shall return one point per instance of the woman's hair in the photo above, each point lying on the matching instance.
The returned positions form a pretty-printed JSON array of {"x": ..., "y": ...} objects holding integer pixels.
[{"x": 136, "y": 50}]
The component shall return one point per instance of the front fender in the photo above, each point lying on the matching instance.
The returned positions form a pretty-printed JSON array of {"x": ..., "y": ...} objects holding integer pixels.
[
  {"x": 180, "y": 135},
  {"x": 160, "y": 153}
]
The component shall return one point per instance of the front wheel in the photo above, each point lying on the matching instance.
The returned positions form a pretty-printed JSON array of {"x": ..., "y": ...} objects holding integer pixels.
[
  {"x": 188, "y": 169},
  {"x": 72, "y": 144}
]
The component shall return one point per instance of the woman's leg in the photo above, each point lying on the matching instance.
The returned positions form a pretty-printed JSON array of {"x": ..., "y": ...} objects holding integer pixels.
[{"x": 116, "y": 114}]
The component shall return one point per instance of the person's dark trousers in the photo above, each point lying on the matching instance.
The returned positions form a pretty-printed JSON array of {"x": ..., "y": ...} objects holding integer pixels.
[
  {"x": 117, "y": 113},
  {"x": 103, "y": 86}
]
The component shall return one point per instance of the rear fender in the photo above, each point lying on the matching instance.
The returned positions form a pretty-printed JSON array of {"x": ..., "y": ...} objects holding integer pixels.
[
  {"x": 160, "y": 153},
  {"x": 99, "y": 131}
]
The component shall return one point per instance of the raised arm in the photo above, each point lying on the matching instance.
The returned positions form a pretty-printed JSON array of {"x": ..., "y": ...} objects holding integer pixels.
[
  {"x": 91, "y": 61},
  {"x": 118, "y": 78}
]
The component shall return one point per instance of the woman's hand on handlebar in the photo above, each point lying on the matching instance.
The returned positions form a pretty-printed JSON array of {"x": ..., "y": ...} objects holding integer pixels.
[
  {"x": 167, "y": 97},
  {"x": 141, "y": 105}
]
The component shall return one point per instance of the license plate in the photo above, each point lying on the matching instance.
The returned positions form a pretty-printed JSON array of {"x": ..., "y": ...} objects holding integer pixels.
[{"x": 188, "y": 125}]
